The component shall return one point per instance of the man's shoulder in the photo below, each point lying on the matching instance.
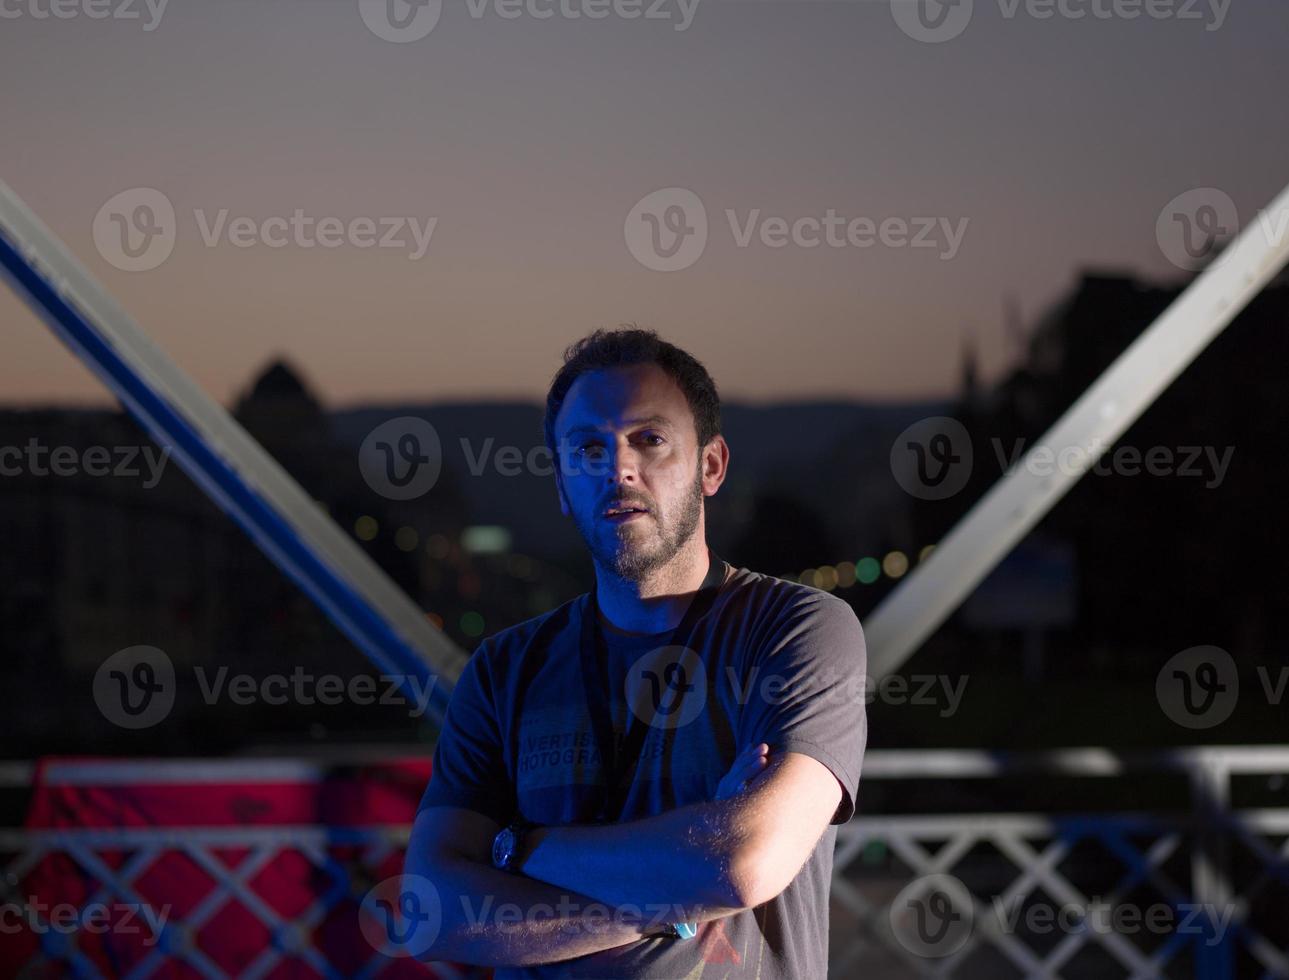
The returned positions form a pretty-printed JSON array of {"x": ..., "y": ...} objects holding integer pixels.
[
  {"x": 502, "y": 647},
  {"x": 768, "y": 595}
]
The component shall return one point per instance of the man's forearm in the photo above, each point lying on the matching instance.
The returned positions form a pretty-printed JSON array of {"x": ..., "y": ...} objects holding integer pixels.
[
  {"x": 494, "y": 918},
  {"x": 681, "y": 858}
]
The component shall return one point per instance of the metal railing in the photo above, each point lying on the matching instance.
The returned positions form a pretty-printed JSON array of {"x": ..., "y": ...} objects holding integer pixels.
[
  {"x": 1181, "y": 891},
  {"x": 1184, "y": 891}
]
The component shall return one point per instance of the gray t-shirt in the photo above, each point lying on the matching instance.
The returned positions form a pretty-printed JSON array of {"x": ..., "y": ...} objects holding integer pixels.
[{"x": 771, "y": 661}]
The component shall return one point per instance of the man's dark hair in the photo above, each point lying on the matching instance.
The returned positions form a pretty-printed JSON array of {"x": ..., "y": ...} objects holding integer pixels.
[{"x": 634, "y": 345}]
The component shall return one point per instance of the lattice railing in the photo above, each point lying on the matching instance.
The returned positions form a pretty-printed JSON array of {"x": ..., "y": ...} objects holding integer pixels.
[
  {"x": 226, "y": 871},
  {"x": 961, "y": 894},
  {"x": 1202, "y": 892}
]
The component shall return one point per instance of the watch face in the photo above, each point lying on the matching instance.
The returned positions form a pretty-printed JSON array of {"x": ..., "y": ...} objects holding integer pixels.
[{"x": 503, "y": 847}]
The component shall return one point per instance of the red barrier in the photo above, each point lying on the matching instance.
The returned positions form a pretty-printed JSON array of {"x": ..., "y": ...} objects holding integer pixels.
[{"x": 188, "y": 867}]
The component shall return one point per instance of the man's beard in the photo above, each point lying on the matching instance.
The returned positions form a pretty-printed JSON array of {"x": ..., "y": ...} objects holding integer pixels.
[{"x": 632, "y": 553}]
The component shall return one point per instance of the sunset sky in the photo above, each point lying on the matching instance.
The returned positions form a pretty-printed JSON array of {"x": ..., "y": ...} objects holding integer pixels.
[{"x": 1050, "y": 145}]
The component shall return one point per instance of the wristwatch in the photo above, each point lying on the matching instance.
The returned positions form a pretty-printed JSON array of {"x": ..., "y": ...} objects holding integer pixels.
[
  {"x": 507, "y": 846},
  {"x": 681, "y": 930}
]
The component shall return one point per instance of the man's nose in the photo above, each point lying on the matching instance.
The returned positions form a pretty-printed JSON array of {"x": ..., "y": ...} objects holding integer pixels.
[{"x": 623, "y": 465}]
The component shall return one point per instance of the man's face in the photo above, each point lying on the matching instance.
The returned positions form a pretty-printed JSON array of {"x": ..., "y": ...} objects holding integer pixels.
[{"x": 626, "y": 438}]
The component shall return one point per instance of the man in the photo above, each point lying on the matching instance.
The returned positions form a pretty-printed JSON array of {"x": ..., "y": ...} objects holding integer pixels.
[{"x": 666, "y": 756}]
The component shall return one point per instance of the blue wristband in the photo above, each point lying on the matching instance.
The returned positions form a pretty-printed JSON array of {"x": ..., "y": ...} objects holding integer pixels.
[{"x": 684, "y": 930}]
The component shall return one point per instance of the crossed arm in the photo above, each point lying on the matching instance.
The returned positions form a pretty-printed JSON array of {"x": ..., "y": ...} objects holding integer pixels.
[{"x": 702, "y": 861}]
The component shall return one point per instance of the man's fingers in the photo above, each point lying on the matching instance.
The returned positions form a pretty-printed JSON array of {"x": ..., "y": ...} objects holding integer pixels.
[
  {"x": 751, "y": 765},
  {"x": 748, "y": 764}
]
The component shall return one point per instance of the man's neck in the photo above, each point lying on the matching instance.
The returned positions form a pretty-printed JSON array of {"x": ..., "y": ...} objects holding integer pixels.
[{"x": 657, "y": 603}]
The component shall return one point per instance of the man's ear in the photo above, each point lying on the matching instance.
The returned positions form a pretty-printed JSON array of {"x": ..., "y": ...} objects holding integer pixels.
[{"x": 715, "y": 463}]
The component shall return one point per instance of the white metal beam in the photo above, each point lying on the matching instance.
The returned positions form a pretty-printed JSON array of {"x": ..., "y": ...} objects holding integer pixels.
[
  {"x": 223, "y": 459},
  {"x": 917, "y": 607}
]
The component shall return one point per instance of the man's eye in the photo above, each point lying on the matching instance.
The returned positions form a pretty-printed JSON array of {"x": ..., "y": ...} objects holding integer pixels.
[{"x": 655, "y": 436}]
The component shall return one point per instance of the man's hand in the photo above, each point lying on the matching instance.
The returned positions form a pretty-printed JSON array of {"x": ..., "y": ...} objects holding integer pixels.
[
  {"x": 450, "y": 850},
  {"x": 749, "y": 764}
]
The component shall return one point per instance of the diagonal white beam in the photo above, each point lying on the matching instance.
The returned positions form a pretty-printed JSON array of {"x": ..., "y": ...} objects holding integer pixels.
[
  {"x": 977, "y": 543},
  {"x": 223, "y": 459}
]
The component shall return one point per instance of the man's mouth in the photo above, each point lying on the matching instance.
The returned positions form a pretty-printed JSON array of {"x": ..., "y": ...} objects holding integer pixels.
[{"x": 620, "y": 515}]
